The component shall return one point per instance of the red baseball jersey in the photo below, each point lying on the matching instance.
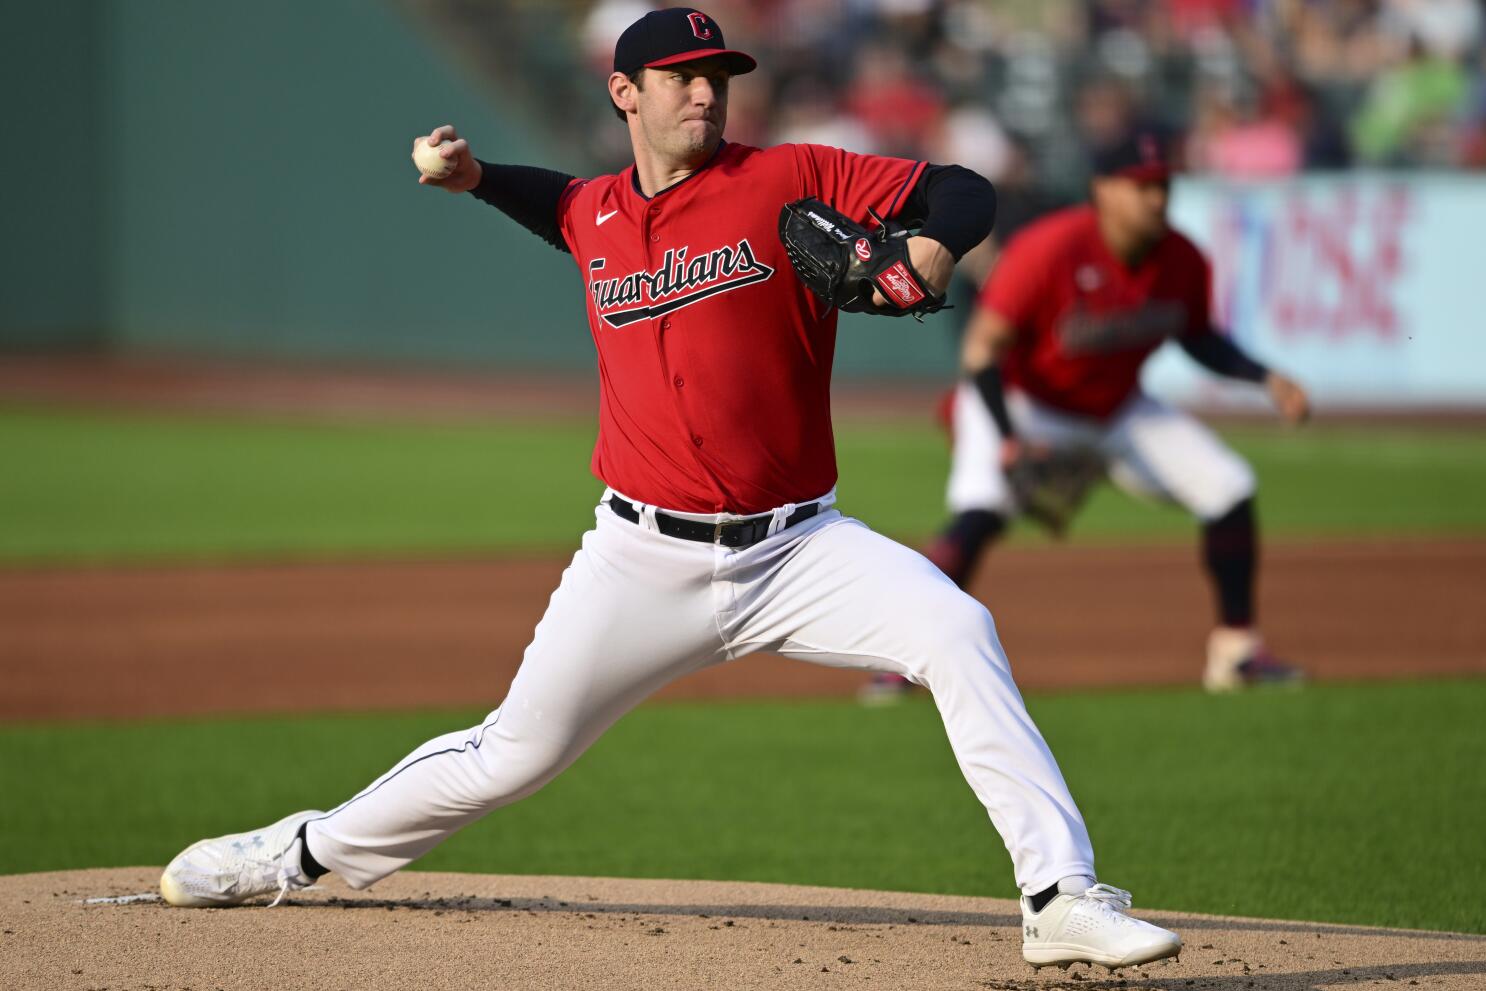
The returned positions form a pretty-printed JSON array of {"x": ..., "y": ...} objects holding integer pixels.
[
  {"x": 1085, "y": 322},
  {"x": 714, "y": 359}
]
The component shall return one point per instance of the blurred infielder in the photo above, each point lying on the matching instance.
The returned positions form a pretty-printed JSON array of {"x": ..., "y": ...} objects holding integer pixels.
[
  {"x": 1052, "y": 402},
  {"x": 716, "y": 535}
]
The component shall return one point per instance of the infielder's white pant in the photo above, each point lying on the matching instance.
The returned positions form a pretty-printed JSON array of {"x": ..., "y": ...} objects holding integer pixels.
[
  {"x": 1152, "y": 450},
  {"x": 637, "y": 609}
]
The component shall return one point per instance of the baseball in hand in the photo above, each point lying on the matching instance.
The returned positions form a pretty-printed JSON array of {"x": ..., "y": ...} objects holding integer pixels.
[{"x": 429, "y": 161}]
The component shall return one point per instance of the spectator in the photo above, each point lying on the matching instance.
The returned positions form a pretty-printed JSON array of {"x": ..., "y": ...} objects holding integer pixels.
[
  {"x": 1247, "y": 88},
  {"x": 1408, "y": 109},
  {"x": 1234, "y": 139},
  {"x": 898, "y": 109},
  {"x": 809, "y": 114}
]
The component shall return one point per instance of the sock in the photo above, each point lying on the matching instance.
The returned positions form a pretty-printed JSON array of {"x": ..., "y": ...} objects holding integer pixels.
[
  {"x": 1039, "y": 901},
  {"x": 307, "y": 862},
  {"x": 1230, "y": 552},
  {"x": 1074, "y": 884},
  {"x": 957, "y": 549}
]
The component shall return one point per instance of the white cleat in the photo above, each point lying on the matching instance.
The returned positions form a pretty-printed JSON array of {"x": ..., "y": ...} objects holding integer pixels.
[
  {"x": 231, "y": 869},
  {"x": 1237, "y": 660},
  {"x": 1092, "y": 928}
]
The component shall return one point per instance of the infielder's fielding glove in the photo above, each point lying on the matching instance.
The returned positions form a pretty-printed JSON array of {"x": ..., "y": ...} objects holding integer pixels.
[
  {"x": 842, "y": 263},
  {"x": 1050, "y": 486}
]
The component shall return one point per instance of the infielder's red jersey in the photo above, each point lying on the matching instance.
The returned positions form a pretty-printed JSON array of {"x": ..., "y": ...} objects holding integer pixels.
[
  {"x": 1085, "y": 323},
  {"x": 714, "y": 359}
]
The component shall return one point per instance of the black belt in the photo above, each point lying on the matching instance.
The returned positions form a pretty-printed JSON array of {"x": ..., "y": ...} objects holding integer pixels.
[{"x": 730, "y": 533}]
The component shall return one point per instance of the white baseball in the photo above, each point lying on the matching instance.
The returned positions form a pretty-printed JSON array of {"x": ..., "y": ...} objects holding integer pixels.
[{"x": 429, "y": 161}]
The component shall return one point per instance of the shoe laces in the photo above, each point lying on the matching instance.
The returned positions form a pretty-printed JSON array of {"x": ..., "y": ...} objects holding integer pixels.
[
  {"x": 1109, "y": 900},
  {"x": 255, "y": 870},
  {"x": 287, "y": 882}
]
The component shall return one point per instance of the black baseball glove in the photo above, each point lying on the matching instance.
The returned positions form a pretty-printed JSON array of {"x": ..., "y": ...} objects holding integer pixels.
[
  {"x": 1051, "y": 485},
  {"x": 842, "y": 263}
]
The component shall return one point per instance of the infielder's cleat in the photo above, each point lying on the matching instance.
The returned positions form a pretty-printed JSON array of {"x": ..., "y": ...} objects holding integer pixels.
[
  {"x": 1237, "y": 659},
  {"x": 885, "y": 689},
  {"x": 1092, "y": 928},
  {"x": 228, "y": 870},
  {"x": 1266, "y": 669}
]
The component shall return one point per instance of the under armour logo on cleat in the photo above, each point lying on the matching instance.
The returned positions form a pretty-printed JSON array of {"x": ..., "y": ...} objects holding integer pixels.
[
  {"x": 1030, "y": 931},
  {"x": 241, "y": 847}
]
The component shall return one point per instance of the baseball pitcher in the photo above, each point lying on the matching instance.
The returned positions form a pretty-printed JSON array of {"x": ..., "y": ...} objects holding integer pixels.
[{"x": 716, "y": 535}]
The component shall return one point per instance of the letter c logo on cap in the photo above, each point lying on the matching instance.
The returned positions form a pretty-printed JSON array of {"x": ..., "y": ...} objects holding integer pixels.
[{"x": 699, "y": 25}]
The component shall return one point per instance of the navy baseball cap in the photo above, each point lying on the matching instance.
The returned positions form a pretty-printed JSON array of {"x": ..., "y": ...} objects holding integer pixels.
[
  {"x": 1141, "y": 156},
  {"x": 676, "y": 34}
]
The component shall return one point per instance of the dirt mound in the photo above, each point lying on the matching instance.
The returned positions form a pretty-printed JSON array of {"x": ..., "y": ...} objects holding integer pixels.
[{"x": 460, "y": 931}]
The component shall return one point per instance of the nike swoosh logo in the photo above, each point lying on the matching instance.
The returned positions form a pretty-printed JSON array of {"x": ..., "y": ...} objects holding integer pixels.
[{"x": 603, "y": 217}]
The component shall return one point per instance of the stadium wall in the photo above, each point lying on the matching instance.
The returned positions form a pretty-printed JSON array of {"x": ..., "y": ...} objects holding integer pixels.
[
  {"x": 236, "y": 183},
  {"x": 55, "y": 177},
  {"x": 290, "y": 224}
]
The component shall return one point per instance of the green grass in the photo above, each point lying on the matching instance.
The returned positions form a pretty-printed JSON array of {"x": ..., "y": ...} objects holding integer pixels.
[
  {"x": 148, "y": 487},
  {"x": 1346, "y": 803},
  {"x": 91, "y": 487}
]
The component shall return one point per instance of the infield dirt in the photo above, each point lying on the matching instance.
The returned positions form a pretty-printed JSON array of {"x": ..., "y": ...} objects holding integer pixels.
[
  {"x": 455, "y": 931},
  {"x": 130, "y": 642}
]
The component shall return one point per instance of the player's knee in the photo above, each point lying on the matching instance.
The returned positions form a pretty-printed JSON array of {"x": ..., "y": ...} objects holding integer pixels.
[
  {"x": 960, "y": 629},
  {"x": 1239, "y": 485},
  {"x": 511, "y": 768}
]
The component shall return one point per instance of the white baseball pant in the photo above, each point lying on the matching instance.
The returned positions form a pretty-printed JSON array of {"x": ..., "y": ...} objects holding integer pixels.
[
  {"x": 1152, "y": 449},
  {"x": 637, "y": 609}
]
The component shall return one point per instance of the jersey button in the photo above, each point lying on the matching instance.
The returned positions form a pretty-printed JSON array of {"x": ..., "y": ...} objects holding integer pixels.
[
  {"x": 665, "y": 325},
  {"x": 679, "y": 381},
  {"x": 655, "y": 237},
  {"x": 696, "y": 439}
]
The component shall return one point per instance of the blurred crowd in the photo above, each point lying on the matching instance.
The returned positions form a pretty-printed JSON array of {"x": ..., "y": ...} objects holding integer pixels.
[{"x": 1023, "y": 91}]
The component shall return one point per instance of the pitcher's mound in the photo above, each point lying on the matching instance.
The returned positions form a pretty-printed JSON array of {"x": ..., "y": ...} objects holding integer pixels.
[{"x": 465, "y": 931}]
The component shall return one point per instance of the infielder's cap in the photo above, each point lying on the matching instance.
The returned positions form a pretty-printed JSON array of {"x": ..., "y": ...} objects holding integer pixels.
[
  {"x": 1140, "y": 157},
  {"x": 676, "y": 34}
]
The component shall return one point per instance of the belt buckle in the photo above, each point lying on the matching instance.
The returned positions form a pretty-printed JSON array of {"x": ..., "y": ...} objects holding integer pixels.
[{"x": 717, "y": 532}]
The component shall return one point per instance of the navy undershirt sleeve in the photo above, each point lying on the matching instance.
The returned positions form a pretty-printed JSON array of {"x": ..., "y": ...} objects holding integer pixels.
[
  {"x": 957, "y": 207},
  {"x": 1219, "y": 354},
  {"x": 993, "y": 393},
  {"x": 527, "y": 195}
]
